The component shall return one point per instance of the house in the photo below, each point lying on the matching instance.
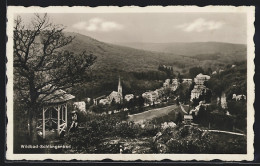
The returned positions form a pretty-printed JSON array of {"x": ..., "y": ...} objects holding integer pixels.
[
  {"x": 160, "y": 92},
  {"x": 104, "y": 101},
  {"x": 223, "y": 101},
  {"x": 172, "y": 84},
  {"x": 187, "y": 119},
  {"x": 151, "y": 96},
  {"x": 96, "y": 100},
  {"x": 200, "y": 79},
  {"x": 199, "y": 87},
  {"x": 81, "y": 105},
  {"x": 238, "y": 97},
  {"x": 197, "y": 91},
  {"x": 128, "y": 97},
  {"x": 166, "y": 84}
]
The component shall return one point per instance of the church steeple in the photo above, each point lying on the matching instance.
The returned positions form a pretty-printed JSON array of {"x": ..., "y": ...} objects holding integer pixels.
[{"x": 119, "y": 89}]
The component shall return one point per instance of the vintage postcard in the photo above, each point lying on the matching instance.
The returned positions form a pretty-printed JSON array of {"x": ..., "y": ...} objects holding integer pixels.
[{"x": 129, "y": 83}]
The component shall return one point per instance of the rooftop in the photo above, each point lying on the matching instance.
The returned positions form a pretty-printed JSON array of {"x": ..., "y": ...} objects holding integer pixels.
[
  {"x": 54, "y": 96},
  {"x": 188, "y": 117}
]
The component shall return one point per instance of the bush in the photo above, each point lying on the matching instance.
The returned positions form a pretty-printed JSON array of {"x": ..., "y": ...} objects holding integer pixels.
[
  {"x": 126, "y": 129},
  {"x": 92, "y": 134},
  {"x": 188, "y": 139}
]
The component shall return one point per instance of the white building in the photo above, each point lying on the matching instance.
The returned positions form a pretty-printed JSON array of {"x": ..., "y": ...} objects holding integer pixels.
[
  {"x": 200, "y": 79},
  {"x": 151, "y": 96},
  {"x": 238, "y": 97},
  {"x": 199, "y": 87},
  {"x": 173, "y": 85},
  {"x": 160, "y": 92},
  {"x": 81, "y": 105},
  {"x": 214, "y": 72},
  {"x": 96, "y": 100},
  {"x": 104, "y": 101},
  {"x": 166, "y": 84},
  {"x": 197, "y": 91},
  {"x": 223, "y": 101},
  {"x": 187, "y": 119},
  {"x": 128, "y": 97}
]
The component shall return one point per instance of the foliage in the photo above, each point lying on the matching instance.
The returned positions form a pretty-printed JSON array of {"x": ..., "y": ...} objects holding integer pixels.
[
  {"x": 216, "y": 118},
  {"x": 99, "y": 130},
  {"x": 184, "y": 91},
  {"x": 202, "y": 117},
  {"x": 231, "y": 81},
  {"x": 183, "y": 140},
  {"x": 194, "y": 71},
  {"x": 205, "y": 96},
  {"x": 179, "y": 118},
  {"x": 41, "y": 67},
  {"x": 237, "y": 107},
  {"x": 189, "y": 139},
  {"x": 168, "y": 70},
  {"x": 139, "y": 68},
  {"x": 92, "y": 133}
]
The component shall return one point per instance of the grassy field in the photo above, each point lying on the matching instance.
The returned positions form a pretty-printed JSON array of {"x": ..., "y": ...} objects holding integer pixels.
[{"x": 151, "y": 114}]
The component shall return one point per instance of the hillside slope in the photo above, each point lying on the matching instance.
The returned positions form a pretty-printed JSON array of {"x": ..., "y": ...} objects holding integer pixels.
[
  {"x": 111, "y": 57},
  {"x": 181, "y": 56},
  {"x": 113, "y": 61},
  {"x": 194, "y": 48}
]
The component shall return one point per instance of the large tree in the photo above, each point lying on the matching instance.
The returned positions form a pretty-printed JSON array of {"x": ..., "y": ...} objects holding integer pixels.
[
  {"x": 194, "y": 71},
  {"x": 42, "y": 65}
]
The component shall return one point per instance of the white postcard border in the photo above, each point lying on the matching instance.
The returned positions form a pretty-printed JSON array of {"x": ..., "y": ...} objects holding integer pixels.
[{"x": 250, "y": 10}]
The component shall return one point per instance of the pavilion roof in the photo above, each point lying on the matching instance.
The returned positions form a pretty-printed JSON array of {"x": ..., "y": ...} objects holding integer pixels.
[{"x": 53, "y": 96}]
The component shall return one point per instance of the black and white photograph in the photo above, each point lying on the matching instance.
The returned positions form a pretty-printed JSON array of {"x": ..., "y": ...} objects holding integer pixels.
[{"x": 111, "y": 82}]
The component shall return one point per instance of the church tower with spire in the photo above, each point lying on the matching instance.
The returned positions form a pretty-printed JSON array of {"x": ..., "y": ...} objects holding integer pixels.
[
  {"x": 116, "y": 96},
  {"x": 119, "y": 88}
]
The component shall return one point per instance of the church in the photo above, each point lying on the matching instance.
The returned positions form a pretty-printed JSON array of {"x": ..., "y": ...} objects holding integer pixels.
[{"x": 116, "y": 96}]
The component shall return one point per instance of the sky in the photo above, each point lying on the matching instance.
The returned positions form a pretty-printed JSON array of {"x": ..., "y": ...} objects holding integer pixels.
[{"x": 155, "y": 27}]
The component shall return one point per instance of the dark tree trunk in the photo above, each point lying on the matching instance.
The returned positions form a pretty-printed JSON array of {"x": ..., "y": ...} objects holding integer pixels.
[
  {"x": 33, "y": 124},
  {"x": 33, "y": 110}
]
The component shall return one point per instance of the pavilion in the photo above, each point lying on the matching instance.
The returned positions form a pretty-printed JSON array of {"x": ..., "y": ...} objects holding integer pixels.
[{"x": 54, "y": 112}]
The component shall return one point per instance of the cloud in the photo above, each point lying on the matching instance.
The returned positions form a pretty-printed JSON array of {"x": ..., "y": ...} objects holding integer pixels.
[
  {"x": 97, "y": 24},
  {"x": 200, "y": 25}
]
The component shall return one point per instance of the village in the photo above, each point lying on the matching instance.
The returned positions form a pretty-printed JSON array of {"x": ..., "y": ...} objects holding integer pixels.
[
  {"x": 151, "y": 97},
  {"x": 161, "y": 95},
  {"x": 154, "y": 103}
]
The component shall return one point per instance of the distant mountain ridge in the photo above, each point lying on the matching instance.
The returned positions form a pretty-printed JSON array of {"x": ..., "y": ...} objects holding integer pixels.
[
  {"x": 112, "y": 57},
  {"x": 189, "y": 49}
]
